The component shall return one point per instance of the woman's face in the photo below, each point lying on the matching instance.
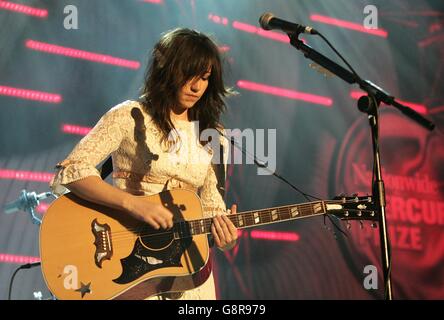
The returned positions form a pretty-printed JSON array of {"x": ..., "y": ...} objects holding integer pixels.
[{"x": 193, "y": 90}]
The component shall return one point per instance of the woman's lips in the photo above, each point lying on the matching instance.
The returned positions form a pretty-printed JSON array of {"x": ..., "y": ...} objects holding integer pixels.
[{"x": 192, "y": 97}]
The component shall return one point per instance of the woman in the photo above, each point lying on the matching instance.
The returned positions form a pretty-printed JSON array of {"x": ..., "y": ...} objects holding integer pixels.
[{"x": 155, "y": 145}]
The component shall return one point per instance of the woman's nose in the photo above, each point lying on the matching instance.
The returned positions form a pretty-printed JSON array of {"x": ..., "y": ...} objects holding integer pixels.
[{"x": 195, "y": 85}]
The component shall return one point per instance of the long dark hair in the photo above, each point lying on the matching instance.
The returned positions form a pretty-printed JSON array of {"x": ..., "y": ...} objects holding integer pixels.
[{"x": 180, "y": 55}]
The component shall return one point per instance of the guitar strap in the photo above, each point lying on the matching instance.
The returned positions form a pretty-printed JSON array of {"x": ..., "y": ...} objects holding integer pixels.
[{"x": 106, "y": 168}]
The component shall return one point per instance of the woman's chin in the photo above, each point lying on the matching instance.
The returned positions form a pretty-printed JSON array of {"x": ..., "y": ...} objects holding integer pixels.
[{"x": 187, "y": 105}]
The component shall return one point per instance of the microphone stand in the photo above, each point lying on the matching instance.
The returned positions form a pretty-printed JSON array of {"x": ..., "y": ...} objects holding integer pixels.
[{"x": 368, "y": 104}]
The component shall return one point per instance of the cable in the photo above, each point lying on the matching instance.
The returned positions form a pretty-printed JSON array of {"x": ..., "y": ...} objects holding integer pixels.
[
  {"x": 376, "y": 141},
  {"x": 376, "y": 146},
  {"x": 389, "y": 249},
  {"x": 340, "y": 56},
  {"x": 24, "y": 266},
  {"x": 261, "y": 164}
]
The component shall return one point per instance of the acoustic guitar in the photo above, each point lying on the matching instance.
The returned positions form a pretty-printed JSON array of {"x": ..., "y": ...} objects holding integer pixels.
[{"x": 89, "y": 251}]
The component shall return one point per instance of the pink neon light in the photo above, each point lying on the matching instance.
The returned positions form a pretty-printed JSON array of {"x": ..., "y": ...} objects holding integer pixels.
[
  {"x": 42, "y": 207},
  {"x": 251, "y": 29},
  {"x": 12, "y": 258},
  {"x": 73, "y": 129},
  {"x": 25, "y": 175},
  {"x": 245, "y": 27},
  {"x": 30, "y": 94},
  {"x": 217, "y": 19},
  {"x": 30, "y": 11},
  {"x": 348, "y": 25},
  {"x": 420, "y": 108},
  {"x": 437, "y": 110},
  {"x": 431, "y": 40},
  {"x": 274, "y": 235},
  {"x": 291, "y": 94},
  {"x": 154, "y": 1},
  {"x": 224, "y": 49},
  {"x": 260, "y": 32},
  {"x": 80, "y": 54}
]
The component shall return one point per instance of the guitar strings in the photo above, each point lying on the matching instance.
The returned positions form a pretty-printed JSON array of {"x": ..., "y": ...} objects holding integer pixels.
[
  {"x": 247, "y": 215},
  {"x": 280, "y": 209},
  {"x": 127, "y": 234},
  {"x": 156, "y": 239}
]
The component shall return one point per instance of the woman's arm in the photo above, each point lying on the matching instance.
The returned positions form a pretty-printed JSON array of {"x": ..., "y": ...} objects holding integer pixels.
[
  {"x": 96, "y": 190},
  {"x": 78, "y": 171}
]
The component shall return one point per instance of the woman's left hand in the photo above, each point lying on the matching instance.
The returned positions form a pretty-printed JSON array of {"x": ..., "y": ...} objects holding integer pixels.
[{"x": 224, "y": 231}]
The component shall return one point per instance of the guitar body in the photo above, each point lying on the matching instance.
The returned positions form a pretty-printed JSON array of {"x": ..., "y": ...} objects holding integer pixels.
[{"x": 89, "y": 251}]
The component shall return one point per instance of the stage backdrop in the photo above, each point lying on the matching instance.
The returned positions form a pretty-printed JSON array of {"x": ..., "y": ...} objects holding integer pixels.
[{"x": 64, "y": 63}]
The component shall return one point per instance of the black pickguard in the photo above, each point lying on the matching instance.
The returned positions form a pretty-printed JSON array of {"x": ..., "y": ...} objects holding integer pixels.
[{"x": 136, "y": 264}]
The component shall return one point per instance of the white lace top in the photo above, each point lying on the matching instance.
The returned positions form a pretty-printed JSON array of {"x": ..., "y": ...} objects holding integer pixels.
[{"x": 143, "y": 165}]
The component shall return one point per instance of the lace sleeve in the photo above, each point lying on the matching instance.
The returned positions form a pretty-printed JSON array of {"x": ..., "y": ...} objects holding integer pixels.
[
  {"x": 100, "y": 142},
  {"x": 214, "y": 186}
]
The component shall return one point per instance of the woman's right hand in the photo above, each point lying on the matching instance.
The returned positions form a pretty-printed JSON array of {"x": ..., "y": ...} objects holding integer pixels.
[
  {"x": 96, "y": 190},
  {"x": 152, "y": 213}
]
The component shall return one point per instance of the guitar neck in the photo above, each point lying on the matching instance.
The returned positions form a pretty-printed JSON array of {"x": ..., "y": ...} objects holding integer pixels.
[{"x": 253, "y": 218}]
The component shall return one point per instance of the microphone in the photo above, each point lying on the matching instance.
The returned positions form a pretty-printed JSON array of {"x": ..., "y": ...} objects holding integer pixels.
[
  {"x": 268, "y": 22},
  {"x": 26, "y": 201}
]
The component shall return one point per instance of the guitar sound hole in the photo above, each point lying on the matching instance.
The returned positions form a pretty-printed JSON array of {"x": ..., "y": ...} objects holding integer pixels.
[{"x": 157, "y": 240}]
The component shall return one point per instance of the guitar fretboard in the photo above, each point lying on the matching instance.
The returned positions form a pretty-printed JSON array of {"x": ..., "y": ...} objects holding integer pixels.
[{"x": 247, "y": 219}]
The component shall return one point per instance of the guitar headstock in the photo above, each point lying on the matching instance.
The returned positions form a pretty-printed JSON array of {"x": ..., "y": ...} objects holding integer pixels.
[{"x": 353, "y": 208}]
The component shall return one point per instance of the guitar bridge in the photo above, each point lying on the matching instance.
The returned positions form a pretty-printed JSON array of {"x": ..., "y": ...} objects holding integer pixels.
[{"x": 102, "y": 236}]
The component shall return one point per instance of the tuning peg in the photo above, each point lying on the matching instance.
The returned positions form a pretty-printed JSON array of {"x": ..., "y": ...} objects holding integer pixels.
[
  {"x": 359, "y": 213},
  {"x": 348, "y": 225},
  {"x": 374, "y": 225}
]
